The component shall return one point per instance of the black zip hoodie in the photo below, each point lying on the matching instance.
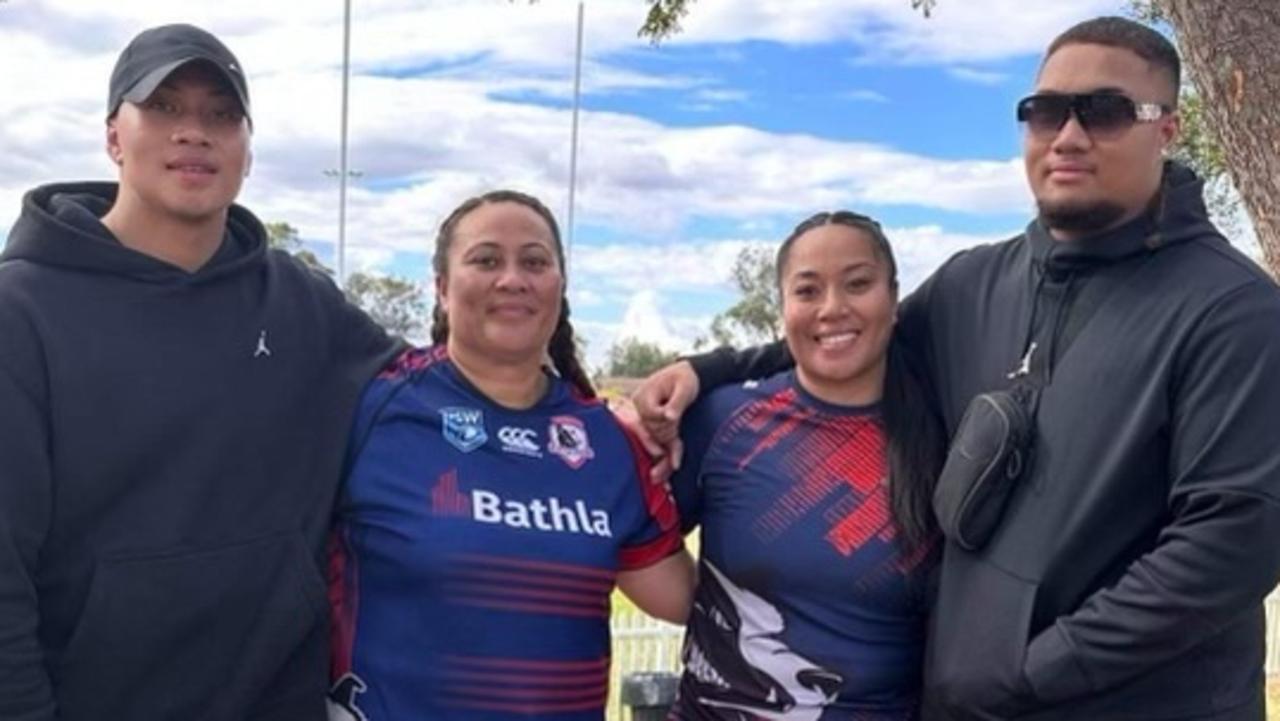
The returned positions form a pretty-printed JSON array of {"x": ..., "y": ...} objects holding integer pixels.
[
  {"x": 1127, "y": 577},
  {"x": 170, "y": 448}
]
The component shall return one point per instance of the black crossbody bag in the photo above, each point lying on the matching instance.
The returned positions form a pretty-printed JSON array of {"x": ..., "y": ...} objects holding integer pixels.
[{"x": 995, "y": 440}]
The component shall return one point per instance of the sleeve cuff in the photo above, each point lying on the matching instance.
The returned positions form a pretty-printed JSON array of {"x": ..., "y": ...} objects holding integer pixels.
[
  {"x": 633, "y": 558},
  {"x": 709, "y": 366}
]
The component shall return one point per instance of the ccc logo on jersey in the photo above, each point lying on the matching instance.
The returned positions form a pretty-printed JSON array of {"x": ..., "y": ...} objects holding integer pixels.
[{"x": 522, "y": 441}]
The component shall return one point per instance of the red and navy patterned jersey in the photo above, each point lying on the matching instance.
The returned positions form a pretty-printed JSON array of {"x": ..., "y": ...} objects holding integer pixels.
[
  {"x": 476, "y": 548},
  {"x": 807, "y": 607}
]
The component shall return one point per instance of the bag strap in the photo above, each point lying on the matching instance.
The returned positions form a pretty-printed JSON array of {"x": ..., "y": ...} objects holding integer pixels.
[
  {"x": 1079, "y": 310},
  {"x": 1087, "y": 303}
]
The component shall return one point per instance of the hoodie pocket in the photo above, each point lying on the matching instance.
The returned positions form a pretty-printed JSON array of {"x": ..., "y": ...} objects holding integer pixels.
[
  {"x": 197, "y": 634},
  {"x": 978, "y": 637}
]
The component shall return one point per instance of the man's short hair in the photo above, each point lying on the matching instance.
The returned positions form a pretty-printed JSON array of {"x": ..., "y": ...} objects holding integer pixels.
[{"x": 1118, "y": 32}]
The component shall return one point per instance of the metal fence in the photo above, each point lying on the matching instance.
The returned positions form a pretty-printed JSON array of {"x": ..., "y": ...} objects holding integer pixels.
[
  {"x": 1273, "y": 633},
  {"x": 641, "y": 643}
]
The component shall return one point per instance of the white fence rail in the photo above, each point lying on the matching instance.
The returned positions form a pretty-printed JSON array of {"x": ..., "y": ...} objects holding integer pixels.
[
  {"x": 1273, "y": 633},
  {"x": 641, "y": 643}
]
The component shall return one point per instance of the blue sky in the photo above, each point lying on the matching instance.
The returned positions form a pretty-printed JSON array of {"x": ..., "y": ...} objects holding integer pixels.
[{"x": 759, "y": 114}]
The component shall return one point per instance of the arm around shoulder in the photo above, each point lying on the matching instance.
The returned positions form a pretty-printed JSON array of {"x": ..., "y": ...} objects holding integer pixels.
[{"x": 727, "y": 365}]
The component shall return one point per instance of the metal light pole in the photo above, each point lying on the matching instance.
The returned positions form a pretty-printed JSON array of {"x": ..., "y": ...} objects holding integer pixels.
[
  {"x": 343, "y": 172},
  {"x": 573, "y": 140}
]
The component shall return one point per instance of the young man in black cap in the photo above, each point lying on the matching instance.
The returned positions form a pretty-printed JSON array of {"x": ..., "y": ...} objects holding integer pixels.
[
  {"x": 1127, "y": 575},
  {"x": 174, "y": 403}
]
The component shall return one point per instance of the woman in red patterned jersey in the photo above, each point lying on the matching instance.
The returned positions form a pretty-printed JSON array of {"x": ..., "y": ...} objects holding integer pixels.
[{"x": 811, "y": 488}]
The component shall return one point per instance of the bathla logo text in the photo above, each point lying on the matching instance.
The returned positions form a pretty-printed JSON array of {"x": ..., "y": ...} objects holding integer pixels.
[{"x": 551, "y": 514}]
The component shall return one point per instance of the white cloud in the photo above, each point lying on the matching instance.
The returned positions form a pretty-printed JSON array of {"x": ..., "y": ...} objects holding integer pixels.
[
  {"x": 583, "y": 298},
  {"x": 650, "y": 313},
  {"x": 405, "y": 33},
  {"x": 706, "y": 265},
  {"x": 508, "y": 78},
  {"x": 864, "y": 96},
  {"x": 981, "y": 77},
  {"x": 425, "y": 143},
  {"x": 983, "y": 187},
  {"x": 722, "y": 95},
  {"x": 919, "y": 250},
  {"x": 647, "y": 311},
  {"x": 644, "y": 320},
  {"x": 890, "y": 31},
  {"x": 636, "y": 267},
  {"x": 437, "y": 138},
  {"x": 514, "y": 39},
  {"x": 368, "y": 259},
  {"x": 446, "y": 140}
]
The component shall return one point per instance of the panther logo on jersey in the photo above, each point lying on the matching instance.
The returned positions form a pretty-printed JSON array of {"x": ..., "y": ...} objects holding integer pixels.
[
  {"x": 738, "y": 656},
  {"x": 342, "y": 699},
  {"x": 463, "y": 428},
  {"x": 567, "y": 438}
]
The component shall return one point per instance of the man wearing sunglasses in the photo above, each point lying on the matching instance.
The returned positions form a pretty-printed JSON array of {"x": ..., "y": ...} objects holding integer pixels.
[{"x": 1126, "y": 576}]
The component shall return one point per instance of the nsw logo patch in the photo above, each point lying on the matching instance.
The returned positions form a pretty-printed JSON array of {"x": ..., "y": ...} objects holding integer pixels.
[{"x": 463, "y": 428}]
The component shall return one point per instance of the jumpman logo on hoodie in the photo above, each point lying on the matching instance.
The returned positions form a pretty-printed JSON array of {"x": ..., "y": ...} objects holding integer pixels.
[{"x": 262, "y": 350}]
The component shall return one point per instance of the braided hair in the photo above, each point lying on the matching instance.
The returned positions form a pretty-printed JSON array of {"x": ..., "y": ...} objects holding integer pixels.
[
  {"x": 916, "y": 442},
  {"x": 563, "y": 347}
]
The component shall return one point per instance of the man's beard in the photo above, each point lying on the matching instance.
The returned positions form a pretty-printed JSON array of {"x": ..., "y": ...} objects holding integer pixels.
[{"x": 1080, "y": 218}]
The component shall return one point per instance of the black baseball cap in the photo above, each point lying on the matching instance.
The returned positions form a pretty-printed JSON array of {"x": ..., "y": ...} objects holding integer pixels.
[{"x": 151, "y": 56}]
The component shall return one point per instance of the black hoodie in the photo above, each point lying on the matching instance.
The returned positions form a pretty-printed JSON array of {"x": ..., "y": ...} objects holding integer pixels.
[
  {"x": 1128, "y": 575},
  {"x": 170, "y": 447}
]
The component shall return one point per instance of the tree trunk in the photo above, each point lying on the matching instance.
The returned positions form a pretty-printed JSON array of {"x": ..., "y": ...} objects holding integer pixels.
[{"x": 1232, "y": 51}]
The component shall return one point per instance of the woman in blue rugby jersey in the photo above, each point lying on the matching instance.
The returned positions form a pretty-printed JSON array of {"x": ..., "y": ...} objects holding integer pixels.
[
  {"x": 491, "y": 504},
  {"x": 812, "y": 491}
]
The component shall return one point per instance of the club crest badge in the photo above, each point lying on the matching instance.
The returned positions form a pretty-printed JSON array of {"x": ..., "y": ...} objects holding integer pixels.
[
  {"x": 463, "y": 428},
  {"x": 567, "y": 438}
]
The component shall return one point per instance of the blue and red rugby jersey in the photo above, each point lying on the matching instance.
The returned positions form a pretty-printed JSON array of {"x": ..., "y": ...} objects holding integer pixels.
[
  {"x": 807, "y": 608},
  {"x": 476, "y": 547}
]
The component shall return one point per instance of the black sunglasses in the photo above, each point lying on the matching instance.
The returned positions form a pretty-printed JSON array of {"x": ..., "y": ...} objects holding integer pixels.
[{"x": 1100, "y": 114}]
